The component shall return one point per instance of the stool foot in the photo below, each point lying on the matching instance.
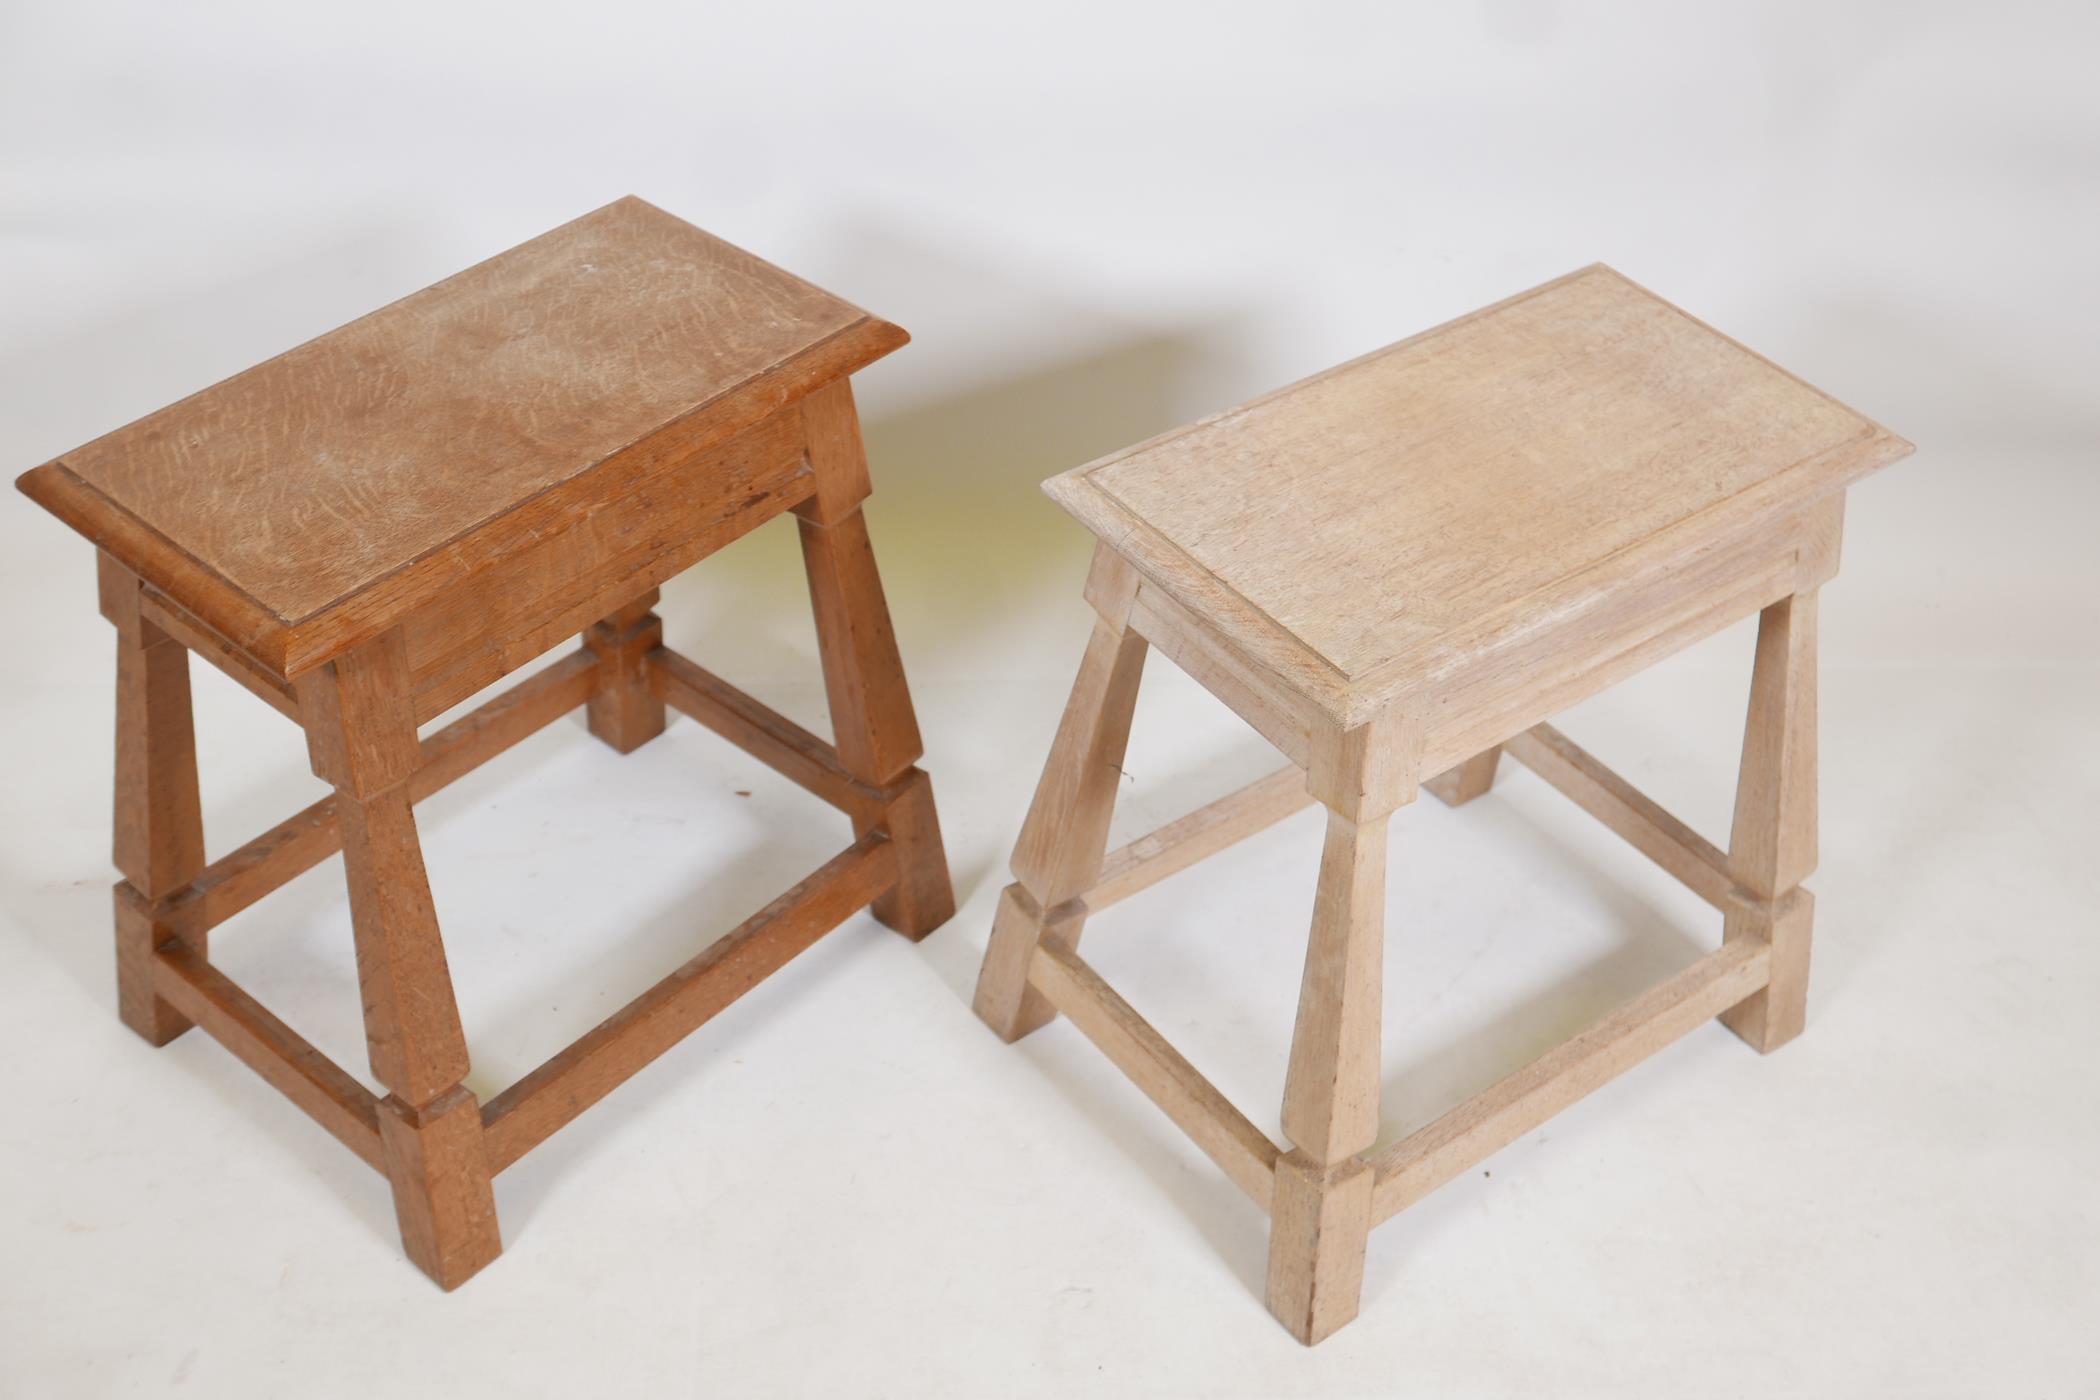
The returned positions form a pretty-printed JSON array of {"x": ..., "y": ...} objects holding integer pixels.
[
  {"x": 1778, "y": 1013},
  {"x": 1320, "y": 1224},
  {"x": 1006, "y": 1000},
  {"x": 443, "y": 1196},
  {"x": 624, "y": 712},
  {"x": 1455, "y": 787},
  {"x": 138, "y": 1007},
  {"x": 924, "y": 897}
]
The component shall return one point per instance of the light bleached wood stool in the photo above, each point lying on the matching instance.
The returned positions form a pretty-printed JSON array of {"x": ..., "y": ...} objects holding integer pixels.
[
  {"x": 1396, "y": 571},
  {"x": 370, "y": 528}
]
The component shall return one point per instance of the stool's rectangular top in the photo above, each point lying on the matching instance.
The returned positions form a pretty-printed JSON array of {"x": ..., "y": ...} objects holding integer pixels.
[
  {"x": 299, "y": 486},
  {"x": 1364, "y": 524}
]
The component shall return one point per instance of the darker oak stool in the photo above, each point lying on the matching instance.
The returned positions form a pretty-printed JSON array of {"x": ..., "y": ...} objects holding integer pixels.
[
  {"x": 368, "y": 529},
  {"x": 1397, "y": 571}
]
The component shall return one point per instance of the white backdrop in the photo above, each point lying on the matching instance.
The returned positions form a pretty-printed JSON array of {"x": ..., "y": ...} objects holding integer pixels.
[{"x": 1099, "y": 221}]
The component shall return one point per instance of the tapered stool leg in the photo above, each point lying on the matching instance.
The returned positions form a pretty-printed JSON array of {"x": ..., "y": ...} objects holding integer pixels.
[
  {"x": 1772, "y": 844},
  {"x": 1065, "y": 834},
  {"x": 362, "y": 737},
  {"x": 872, "y": 722},
  {"x": 159, "y": 823},
  {"x": 1320, "y": 1214},
  {"x": 625, "y": 712}
]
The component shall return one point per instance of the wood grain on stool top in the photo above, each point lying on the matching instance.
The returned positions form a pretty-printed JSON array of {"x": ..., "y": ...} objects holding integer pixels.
[
  {"x": 342, "y": 474},
  {"x": 1370, "y": 524}
]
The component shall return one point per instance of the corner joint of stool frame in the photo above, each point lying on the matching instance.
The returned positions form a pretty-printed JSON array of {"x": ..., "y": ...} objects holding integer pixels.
[
  {"x": 154, "y": 911},
  {"x": 1111, "y": 584},
  {"x": 1024, "y": 899},
  {"x": 1822, "y": 546},
  {"x": 823, "y": 510},
  {"x": 177, "y": 917},
  {"x": 886, "y": 793},
  {"x": 1070, "y": 911},
  {"x": 1369, "y": 771},
  {"x": 604, "y": 635},
  {"x": 1779, "y": 908},
  {"x": 117, "y": 595},
  {"x": 1073, "y": 910},
  {"x": 837, "y": 457},
  {"x": 359, "y": 719}
]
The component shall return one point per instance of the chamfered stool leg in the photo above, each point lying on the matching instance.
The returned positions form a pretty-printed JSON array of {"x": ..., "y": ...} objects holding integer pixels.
[
  {"x": 625, "y": 712},
  {"x": 159, "y": 823},
  {"x": 873, "y": 725},
  {"x": 1065, "y": 835},
  {"x": 1320, "y": 1213},
  {"x": 362, "y": 737},
  {"x": 1772, "y": 843}
]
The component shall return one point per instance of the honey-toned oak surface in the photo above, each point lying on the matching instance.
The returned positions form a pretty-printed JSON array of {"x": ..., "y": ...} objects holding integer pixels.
[
  {"x": 370, "y": 528},
  {"x": 300, "y": 484}
]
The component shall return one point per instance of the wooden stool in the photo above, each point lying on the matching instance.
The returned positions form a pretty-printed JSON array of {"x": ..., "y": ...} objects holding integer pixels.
[
  {"x": 368, "y": 529},
  {"x": 1395, "y": 571}
]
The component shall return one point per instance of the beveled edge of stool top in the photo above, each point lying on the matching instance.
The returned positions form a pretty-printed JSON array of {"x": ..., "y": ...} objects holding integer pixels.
[
  {"x": 1363, "y": 531},
  {"x": 314, "y": 500}
]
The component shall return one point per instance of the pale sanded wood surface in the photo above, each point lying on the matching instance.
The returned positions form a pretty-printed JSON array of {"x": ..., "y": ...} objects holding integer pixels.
[
  {"x": 1064, "y": 840},
  {"x": 1358, "y": 528},
  {"x": 356, "y": 459},
  {"x": 1499, "y": 1115},
  {"x": 1242, "y": 1150},
  {"x": 1393, "y": 572}
]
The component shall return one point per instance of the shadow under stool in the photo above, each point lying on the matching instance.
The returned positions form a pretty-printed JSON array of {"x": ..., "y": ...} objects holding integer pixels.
[
  {"x": 370, "y": 528},
  {"x": 1397, "y": 571}
]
